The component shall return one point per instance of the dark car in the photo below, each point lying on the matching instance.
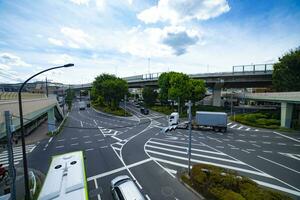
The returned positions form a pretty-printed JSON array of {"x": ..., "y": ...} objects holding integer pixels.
[{"x": 144, "y": 111}]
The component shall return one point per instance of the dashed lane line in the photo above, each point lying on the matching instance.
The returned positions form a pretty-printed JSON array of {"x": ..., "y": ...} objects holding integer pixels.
[
  {"x": 58, "y": 147},
  {"x": 81, "y": 124},
  {"x": 88, "y": 142},
  {"x": 268, "y": 151},
  {"x": 256, "y": 145},
  {"x": 74, "y": 144}
]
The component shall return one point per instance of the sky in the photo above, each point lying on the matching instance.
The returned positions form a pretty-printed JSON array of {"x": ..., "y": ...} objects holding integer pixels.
[{"x": 133, "y": 37}]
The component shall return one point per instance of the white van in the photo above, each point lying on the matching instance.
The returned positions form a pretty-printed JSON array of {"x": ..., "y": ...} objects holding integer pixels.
[
  {"x": 82, "y": 105},
  {"x": 174, "y": 118}
]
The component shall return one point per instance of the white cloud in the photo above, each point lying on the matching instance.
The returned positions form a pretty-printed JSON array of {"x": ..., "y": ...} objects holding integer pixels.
[
  {"x": 79, "y": 2},
  {"x": 156, "y": 42},
  {"x": 100, "y": 4},
  {"x": 176, "y": 11},
  {"x": 4, "y": 67},
  {"x": 9, "y": 59},
  {"x": 76, "y": 37},
  {"x": 56, "y": 42},
  {"x": 62, "y": 59}
]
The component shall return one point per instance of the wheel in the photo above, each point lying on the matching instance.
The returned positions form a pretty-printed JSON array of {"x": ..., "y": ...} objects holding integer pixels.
[
  {"x": 216, "y": 129},
  {"x": 223, "y": 130}
]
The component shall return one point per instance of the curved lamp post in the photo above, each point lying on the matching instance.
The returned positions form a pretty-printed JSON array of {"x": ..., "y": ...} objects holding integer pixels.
[{"x": 26, "y": 179}]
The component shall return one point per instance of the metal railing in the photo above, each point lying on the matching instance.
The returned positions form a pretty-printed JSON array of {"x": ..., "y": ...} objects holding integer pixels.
[{"x": 252, "y": 68}]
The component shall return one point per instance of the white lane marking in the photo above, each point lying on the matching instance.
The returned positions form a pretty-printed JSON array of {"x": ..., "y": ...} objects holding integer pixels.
[
  {"x": 100, "y": 140},
  {"x": 61, "y": 140},
  {"x": 229, "y": 123},
  {"x": 171, "y": 170},
  {"x": 96, "y": 186},
  {"x": 291, "y": 155},
  {"x": 214, "y": 139},
  {"x": 147, "y": 197},
  {"x": 118, "y": 169},
  {"x": 88, "y": 142},
  {"x": 86, "y": 136},
  {"x": 210, "y": 163},
  {"x": 116, "y": 138},
  {"x": 81, "y": 124},
  {"x": 256, "y": 145},
  {"x": 103, "y": 147},
  {"x": 58, "y": 147},
  {"x": 266, "y": 142},
  {"x": 240, "y": 127},
  {"x": 256, "y": 130},
  {"x": 220, "y": 147},
  {"x": 181, "y": 147},
  {"x": 245, "y": 151},
  {"x": 230, "y": 145},
  {"x": 172, "y": 141},
  {"x": 95, "y": 122},
  {"x": 74, "y": 138},
  {"x": 296, "y": 145},
  {"x": 252, "y": 141},
  {"x": 268, "y": 151},
  {"x": 281, "y": 165},
  {"x": 74, "y": 144},
  {"x": 233, "y": 126},
  {"x": 287, "y": 137},
  {"x": 50, "y": 139},
  {"x": 248, "y": 129},
  {"x": 91, "y": 149},
  {"x": 250, "y": 149},
  {"x": 234, "y": 148},
  {"x": 265, "y": 136},
  {"x": 193, "y": 154},
  {"x": 281, "y": 144},
  {"x": 277, "y": 187}
]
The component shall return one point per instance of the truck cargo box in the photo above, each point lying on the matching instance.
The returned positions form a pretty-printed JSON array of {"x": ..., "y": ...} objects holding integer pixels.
[{"x": 216, "y": 120}]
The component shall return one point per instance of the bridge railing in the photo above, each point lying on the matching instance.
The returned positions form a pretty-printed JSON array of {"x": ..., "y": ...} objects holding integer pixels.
[{"x": 252, "y": 68}]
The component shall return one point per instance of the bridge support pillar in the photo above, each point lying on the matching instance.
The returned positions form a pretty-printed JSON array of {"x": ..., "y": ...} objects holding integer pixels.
[
  {"x": 217, "y": 95},
  {"x": 286, "y": 114},
  {"x": 51, "y": 120}
]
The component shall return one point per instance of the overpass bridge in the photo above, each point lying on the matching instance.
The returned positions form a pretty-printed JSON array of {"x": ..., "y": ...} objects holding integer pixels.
[
  {"x": 34, "y": 111},
  {"x": 242, "y": 76},
  {"x": 287, "y": 101}
]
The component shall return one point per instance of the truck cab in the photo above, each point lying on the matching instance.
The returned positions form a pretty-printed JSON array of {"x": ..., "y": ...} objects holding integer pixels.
[{"x": 174, "y": 118}]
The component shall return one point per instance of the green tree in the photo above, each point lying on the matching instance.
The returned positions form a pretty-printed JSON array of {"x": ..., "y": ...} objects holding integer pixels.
[
  {"x": 179, "y": 88},
  {"x": 69, "y": 98},
  {"x": 149, "y": 96},
  {"x": 286, "y": 74},
  {"x": 198, "y": 90},
  {"x": 110, "y": 89}
]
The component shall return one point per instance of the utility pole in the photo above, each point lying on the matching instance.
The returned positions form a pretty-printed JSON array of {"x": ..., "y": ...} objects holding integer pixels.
[
  {"x": 125, "y": 98},
  {"x": 190, "y": 137},
  {"x": 231, "y": 103},
  {"x": 12, "y": 171},
  {"x": 178, "y": 104},
  {"x": 47, "y": 91}
]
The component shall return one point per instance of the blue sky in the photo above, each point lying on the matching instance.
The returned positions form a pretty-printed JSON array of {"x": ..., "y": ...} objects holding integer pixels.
[{"x": 118, "y": 36}]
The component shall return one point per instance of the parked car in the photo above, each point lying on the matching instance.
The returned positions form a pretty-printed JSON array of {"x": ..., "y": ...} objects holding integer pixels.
[
  {"x": 82, "y": 105},
  {"x": 123, "y": 188},
  {"x": 144, "y": 111}
]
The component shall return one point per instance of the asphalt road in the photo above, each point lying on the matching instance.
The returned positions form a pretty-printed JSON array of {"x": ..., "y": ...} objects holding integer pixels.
[{"x": 136, "y": 146}]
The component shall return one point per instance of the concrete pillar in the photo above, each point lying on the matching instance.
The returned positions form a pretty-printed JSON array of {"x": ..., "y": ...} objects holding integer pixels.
[
  {"x": 51, "y": 120},
  {"x": 217, "y": 96},
  {"x": 286, "y": 114}
]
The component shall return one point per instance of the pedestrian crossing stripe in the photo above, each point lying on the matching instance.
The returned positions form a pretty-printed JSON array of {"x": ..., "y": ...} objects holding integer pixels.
[
  {"x": 17, "y": 152},
  {"x": 172, "y": 156}
]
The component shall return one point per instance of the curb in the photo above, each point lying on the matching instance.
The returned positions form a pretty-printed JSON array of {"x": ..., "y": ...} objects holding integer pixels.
[
  {"x": 191, "y": 189},
  {"x": 110, "y": 115}
]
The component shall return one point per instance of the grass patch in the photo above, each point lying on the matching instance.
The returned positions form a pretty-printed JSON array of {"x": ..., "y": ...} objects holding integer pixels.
[
  {"x": 221, "y": 184},
  {"x": 262, "y": 120},
  {"x": 114, "y": 111}
]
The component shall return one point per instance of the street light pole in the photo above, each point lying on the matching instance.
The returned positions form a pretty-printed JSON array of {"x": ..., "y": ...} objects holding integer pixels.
[
  {"x": 190, "y": 137},
  {"x": 26, "y": 179}
]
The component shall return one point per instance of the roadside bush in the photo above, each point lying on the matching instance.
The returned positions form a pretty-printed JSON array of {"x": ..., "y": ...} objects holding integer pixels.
[{"x": 221, "y": 184}]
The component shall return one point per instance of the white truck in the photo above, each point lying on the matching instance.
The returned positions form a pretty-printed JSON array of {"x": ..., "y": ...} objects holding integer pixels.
[
  {"x": 174, "y": 118},
  {"x": 216, "y": 120}
]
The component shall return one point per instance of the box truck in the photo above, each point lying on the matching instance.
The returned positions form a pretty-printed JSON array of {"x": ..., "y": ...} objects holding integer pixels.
[
  {"x": 216, "y": 120},
  {"x": 173, "y": 118}
]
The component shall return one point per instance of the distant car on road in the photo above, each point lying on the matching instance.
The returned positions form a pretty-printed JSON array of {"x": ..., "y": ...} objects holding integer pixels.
[
  {"x": 123, "y": 188},
  {"x": 82, "y": 105},
  {"x": 144, "y": 111}
]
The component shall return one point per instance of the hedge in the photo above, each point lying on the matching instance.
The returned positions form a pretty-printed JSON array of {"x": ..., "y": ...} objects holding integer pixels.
[{"x": 221, "y": 184}]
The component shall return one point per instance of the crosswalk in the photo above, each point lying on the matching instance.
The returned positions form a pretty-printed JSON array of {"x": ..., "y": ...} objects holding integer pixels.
[
  {"x": 17, "y": 154},
  {"x": 172, "y": 155},
  {"x": 237, "y": 126}
]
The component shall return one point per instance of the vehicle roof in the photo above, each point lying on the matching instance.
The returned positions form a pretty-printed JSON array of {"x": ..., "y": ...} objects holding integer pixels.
[
  {"x": 215, "y": 113},
  {"x": 130, "y": 191},
  {"x": 174, "y": 113}
]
